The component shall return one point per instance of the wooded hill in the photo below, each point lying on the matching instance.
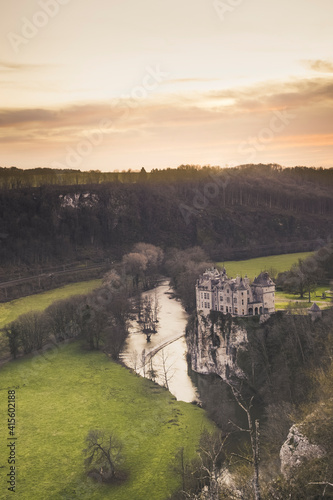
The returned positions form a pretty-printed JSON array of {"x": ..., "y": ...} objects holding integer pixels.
[{"x": 49, "y": 216}]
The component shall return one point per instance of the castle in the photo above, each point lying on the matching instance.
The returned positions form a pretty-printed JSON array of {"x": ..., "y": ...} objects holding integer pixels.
[{"x": 238, "y": 297}]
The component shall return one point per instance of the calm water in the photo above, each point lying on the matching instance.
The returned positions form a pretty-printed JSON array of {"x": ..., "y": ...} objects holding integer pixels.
[{"x": 170, "y": 361}]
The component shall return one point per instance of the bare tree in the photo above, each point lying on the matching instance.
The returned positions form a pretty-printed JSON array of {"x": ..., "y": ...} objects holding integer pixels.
[
  {"x": 104, "y": 453},
  {"x": 253, "y": 431},
  {"x": 143, "y": 362},
  {"x": 201, "y": 477},
  {"x": 152, "y": 372},
  {"x": 210, "y": 452},
  {"x": 134, "y": 360},
  {"x": 166, "y": 367}
]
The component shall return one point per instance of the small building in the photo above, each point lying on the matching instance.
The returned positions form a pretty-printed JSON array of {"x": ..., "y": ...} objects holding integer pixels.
[
  {"x": 315, "y": 312},
  {"x": 235, "y": 296}
]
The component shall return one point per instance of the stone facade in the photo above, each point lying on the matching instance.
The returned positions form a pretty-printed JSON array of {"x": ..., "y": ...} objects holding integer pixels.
[
  {"x": 238, "y": 297},
  {"x": 315, "y": 312}
]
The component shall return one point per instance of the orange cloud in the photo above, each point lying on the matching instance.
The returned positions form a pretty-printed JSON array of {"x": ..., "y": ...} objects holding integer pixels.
[
  {"x": 195, "y": 123},
  {"x": 319, "y": 65}
]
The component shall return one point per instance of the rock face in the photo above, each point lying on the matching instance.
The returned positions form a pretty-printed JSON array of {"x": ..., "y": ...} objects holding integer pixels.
[
  {"x": 296, "y": 450},
  {"x": 213, "y": 344}
]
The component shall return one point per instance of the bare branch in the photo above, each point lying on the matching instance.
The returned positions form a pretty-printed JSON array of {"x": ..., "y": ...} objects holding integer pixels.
[
  {"x": 237, "y": 426},
  {"x": 243, "y": 458},
  {"x": 322, "y": 483}
]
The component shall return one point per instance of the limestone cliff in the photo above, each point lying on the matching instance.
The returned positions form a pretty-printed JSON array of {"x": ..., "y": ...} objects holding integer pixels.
[
  {"x": 213, "y": 342},
  {"x": 297, "y": 450}
]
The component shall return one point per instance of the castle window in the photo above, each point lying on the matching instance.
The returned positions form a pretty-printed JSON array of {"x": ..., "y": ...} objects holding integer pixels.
[
  {"x": 235, "y": 300},
  {"x": 228, "y": 300},
  {"x": 221, "y": 308},
  {"x": 242, "y": 301},
  {"x": 221, "y": 298},
  {"x": 243, "y": 312},
  {"x": 236, "y": 310}
]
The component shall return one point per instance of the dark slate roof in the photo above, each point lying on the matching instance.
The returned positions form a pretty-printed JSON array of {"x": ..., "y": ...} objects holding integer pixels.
[
  {"x": 314, "y": 308},
  {"x": 263, "y": 279}
]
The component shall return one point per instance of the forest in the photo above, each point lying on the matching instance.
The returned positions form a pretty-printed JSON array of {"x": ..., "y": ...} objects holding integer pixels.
[{"x": 50, "y": 217}]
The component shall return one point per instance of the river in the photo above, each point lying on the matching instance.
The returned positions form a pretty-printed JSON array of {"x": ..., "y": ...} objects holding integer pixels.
[{"x": 166, "y": 352}]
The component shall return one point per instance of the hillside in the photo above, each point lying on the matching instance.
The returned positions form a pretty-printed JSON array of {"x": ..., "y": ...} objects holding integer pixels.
[
  {"x": 65, "y": 392},
  {"x": 232, "y": 213}
]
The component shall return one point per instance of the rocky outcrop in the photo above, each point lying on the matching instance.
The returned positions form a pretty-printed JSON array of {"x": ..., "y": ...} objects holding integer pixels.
[
  {"x": 296, "y": 450},
  {"x": 213, "y": 342}
]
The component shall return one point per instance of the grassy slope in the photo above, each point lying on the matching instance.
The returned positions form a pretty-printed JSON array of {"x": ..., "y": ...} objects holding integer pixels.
[
  {"x": 253, "y": 267},
  {"x": 278, "y": 263},
  {"x": 59, "y": 399},
  {"x": 10, "y": 311}
]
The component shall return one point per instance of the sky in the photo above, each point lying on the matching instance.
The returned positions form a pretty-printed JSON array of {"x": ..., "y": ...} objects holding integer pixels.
[{"x": 116, "y": 85}]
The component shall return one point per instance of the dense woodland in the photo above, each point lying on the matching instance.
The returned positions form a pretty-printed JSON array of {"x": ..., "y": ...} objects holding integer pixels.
[{"x": 49, "y": 217}]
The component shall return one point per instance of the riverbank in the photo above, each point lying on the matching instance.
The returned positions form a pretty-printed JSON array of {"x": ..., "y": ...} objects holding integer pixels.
[{"x": 166, "y": 351}]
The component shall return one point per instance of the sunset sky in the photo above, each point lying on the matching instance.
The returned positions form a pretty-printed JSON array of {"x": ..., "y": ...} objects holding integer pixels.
[{"x": 113, "y": 85}]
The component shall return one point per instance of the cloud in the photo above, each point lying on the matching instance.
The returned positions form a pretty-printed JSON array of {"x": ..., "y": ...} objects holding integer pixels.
[
  {"x": 319, "y": 65},
  {"x": 194, "y": 121},
  {"x": 10, "y": 67},
  {"x": 190, "y": 80},
  {"x": 25, "y": 116}
]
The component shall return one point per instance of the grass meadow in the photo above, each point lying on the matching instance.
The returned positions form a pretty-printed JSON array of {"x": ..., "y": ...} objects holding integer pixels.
[
  {"x": 253, "y": 267},
  {"x": 10, "y": 311},
  {"x": 275, "y": 264},
  {"x": 67, "y": 392}
]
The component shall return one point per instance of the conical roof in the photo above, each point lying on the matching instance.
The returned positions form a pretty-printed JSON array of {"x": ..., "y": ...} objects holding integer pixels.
[{"x": 314, "y": 308}]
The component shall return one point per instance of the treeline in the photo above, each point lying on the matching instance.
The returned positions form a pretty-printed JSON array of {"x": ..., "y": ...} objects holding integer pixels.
[
  {"x": 99, "y": 319},
  {"x": 14, "y": 178},
  {"x": 304, "y": 276},
  {"x": 231, "y": 213}
]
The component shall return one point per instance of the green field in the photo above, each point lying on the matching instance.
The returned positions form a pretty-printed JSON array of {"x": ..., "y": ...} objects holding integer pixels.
[
  {"x": 253, "y": 267},
  {"x": 63, "y": 395},
  {"x": 10, "y": 311},
  {"x": 276, "y": 264}
]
